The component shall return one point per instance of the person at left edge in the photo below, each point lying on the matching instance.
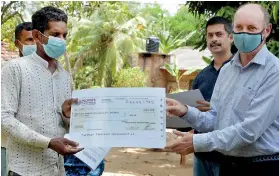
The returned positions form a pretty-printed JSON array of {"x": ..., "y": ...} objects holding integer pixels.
[
  {"x": 25, "y": 43},
  {"x": 34, "y": 88}
]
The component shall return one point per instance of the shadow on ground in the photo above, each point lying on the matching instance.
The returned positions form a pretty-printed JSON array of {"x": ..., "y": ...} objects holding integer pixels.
[{"x": 143, "y": 162}]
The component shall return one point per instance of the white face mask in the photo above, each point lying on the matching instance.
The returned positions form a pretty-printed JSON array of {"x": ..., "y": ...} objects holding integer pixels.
[
  {"x": 28, "y": 49},
  {"x": 55, "y": 47}
]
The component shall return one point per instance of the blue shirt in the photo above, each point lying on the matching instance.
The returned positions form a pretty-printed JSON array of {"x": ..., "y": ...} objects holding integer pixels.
[
  {"x": 206, "y": 80},
  {"x": 75, "y": 167},
  {"x": 244, "y": 115}
]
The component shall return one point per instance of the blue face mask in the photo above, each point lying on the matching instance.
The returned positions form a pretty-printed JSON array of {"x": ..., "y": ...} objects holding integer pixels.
[
  {"x": 28, "y": 49},
  {"x": 247, "y": 42},
  {"x": 55, "y": 47}
]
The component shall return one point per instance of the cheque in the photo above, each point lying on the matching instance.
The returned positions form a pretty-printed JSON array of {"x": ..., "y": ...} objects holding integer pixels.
[{"x": 119, "y": 117}]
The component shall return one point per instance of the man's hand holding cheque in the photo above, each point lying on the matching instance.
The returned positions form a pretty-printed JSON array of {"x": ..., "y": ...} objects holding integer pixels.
[
  {"x": 184, "y": 144},
  {"x": 175, "y": 108}
]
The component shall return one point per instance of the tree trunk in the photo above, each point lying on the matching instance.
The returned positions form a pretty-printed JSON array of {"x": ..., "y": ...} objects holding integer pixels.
[{"x": 68, "y": 67}]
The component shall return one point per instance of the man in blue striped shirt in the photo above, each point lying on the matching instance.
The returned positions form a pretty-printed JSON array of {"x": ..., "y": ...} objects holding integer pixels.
[
  {"x": 219, "y": 40},
  {"x": 243, "y": 122}
]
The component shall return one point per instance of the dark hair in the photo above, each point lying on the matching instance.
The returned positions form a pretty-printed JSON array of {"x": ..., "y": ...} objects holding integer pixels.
[
  {"x": 23, "y": 26},
  {"x": 220, "y": 20},
  {"x": 41, "y": 18}
]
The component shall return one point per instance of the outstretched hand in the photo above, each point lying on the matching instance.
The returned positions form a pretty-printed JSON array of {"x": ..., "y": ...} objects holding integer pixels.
[
  {"x": 184, "y": 145},
  {"x": 175, "y": 108},
  {"x": 64, "y": 146}
]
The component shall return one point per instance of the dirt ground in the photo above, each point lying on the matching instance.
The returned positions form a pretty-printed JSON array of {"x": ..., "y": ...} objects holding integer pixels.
[{"x": 140, "y": 162}]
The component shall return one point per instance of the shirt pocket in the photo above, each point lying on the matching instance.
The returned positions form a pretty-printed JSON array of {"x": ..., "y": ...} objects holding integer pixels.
[{"x": 244, "y": 97}]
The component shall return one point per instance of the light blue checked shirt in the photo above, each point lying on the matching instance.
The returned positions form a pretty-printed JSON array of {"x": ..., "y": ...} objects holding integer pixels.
[{"x": 244, "y": 115}]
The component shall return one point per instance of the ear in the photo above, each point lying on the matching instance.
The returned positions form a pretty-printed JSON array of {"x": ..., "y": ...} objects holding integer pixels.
[
  {"x": 19, "y": 45},
  {"x": 267, "y": 30},
  {"x": 231, "y": 38},
  {"x": 36, "y": 35},
  {"x": 16, "y": 42}
]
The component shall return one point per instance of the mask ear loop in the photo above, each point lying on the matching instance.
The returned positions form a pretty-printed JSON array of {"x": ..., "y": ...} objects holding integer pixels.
[
  {"x": 19, "y": 48},
  {"x": 44, "y": 36},
  {"x": 262, "y": 35}
]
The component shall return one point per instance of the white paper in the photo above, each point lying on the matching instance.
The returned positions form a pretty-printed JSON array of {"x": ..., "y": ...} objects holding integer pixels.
[
  {"x": 119, "y": 117},
  {"x": 188, "y": 98},
  {"x": 91, "y": 156}
]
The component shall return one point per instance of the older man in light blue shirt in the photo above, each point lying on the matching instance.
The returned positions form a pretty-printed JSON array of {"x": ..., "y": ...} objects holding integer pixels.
[{"x": 243, "y": 122}]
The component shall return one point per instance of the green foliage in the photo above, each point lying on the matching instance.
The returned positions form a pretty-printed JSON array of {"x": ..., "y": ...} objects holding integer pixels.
[
  {"x": 102, "y": 35},
  {"x": 173, "y": 70},
  {"x": 130, "y": 77},
  {"x": 84, "y": 78},
  {"x": 11, "y": 10},
  {"x": 207, "y": 60},
  {"x": 185, "y": 23},
  {"x": 7, "y": 33},
  {"x": 105, "y": 39},
  {"x": 11, "y": 15},
  {"x": 173, "y": 31},
  {"x": 273, "y": 46}
]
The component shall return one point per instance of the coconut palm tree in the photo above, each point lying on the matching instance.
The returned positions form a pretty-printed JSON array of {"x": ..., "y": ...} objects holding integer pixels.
[{"x": 105, "y": 40}]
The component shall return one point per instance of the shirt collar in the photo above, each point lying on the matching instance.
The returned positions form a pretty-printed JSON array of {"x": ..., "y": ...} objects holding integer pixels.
[
  {"x": 43, "y": 62},
  {"x": 212, "y": 62},
  {"x": 260, "y": 57}
]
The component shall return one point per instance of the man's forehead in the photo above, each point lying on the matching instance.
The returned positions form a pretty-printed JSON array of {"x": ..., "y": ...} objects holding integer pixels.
[
  {"x": 57, "y": 26},
  {"x": 249, "y": 15},
  {"x": 215, "y": 28},
  {"x": 26, "y": 34}
]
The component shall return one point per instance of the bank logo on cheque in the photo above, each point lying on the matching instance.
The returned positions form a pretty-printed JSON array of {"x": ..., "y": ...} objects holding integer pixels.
[{"x": 89, "y": 101}]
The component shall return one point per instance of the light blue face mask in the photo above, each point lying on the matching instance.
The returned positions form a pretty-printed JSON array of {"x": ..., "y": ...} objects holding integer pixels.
[
  {"x": 247, "y": 42},
  {"x": 28, "y": 49},
  {"x": 55, "y": 47}
]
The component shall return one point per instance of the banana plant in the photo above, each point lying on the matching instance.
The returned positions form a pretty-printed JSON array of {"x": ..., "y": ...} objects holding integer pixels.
[
  {"x": 207, "y": 60},
  {"x": 174, "y": 70}
]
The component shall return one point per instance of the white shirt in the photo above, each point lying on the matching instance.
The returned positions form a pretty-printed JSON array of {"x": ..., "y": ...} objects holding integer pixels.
[
  {"x": 3, "y": 135},
  {"x": 31, "y": 114}
]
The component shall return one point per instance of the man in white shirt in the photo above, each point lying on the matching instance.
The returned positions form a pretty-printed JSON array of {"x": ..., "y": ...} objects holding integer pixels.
[
  {"x": 34, "y": 88},
  {"x": 26, "y": 45}
]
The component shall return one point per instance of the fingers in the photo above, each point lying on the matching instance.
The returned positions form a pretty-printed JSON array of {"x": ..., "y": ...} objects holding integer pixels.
[
  {"x": 180, "y": 148},
  {"x": 203, "y": 108},
  {"x": 71, "y": 101},
  {"x": 73, "y": 150},
  {"x": 169, "y": 101},
  {"x": 71, "y": 143},
  {"x": 69, "y": 150},
  {"x": 173, "y": 145},
  {"x": 186, "y": 151},
  {"x": 176, "y": 147},
  {"x": 171, "y": 109},
  {"x": 204, "y": 103},
  {"x": 178, "y": 133}
]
